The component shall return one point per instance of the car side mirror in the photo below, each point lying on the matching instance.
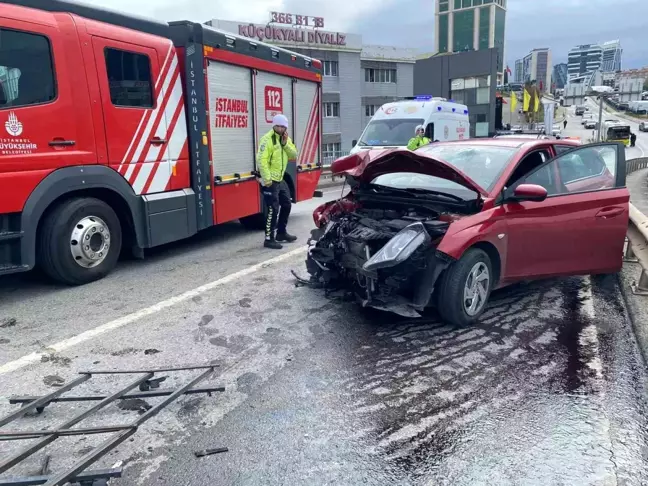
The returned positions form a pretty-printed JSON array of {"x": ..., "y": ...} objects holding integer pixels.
[
  {"x": 529, "y": 192},
  {"x": 354, "y": 143}
]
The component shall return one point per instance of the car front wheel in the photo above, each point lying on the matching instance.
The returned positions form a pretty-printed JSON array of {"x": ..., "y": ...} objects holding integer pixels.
[{"x": 465, "y": 288}]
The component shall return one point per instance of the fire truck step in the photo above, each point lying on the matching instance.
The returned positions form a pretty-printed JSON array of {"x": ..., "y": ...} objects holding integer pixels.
[
  {"x": 10, "y": 235},
  {"x": 9, "y": 268}
]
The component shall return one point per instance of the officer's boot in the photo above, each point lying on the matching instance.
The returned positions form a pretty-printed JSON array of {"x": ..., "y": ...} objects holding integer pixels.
[
  {"x": 286, "y": 237},
  {"x": 274, "y": 244}
]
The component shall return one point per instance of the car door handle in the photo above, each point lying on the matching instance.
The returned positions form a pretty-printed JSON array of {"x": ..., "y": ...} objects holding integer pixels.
[
  {"x": 609, "y": 212},
  {"x": 61, "y": 143},
  {"x": 158, "y": 141}
]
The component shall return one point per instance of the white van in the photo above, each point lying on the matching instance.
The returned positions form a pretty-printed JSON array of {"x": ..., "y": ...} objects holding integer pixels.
[{"x": 394, "y": 124}]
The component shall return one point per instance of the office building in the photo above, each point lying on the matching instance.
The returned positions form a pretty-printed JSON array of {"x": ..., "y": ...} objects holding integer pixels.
[
  {"x": 471, "y": 25},
  {"x": 559, "y": 78},
  {"x": 535, "y": 68},
  {"x": 585, "y": 59},
  {"x": 519, "y": 71},
  {"x": 611, "y": 56},
  {"x": 357, "y": 79},
  {"x": 468, "y": 78}
]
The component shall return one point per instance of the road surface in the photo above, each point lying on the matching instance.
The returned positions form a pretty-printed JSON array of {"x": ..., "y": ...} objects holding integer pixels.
[{"x": 549, "y": 389}]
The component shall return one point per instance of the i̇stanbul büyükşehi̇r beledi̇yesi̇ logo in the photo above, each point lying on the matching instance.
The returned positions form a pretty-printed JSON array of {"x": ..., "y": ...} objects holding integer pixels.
[{"x": 13, "y": 126}]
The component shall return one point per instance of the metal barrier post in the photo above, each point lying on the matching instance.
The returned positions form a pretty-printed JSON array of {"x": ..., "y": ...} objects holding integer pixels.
[
  {"x": 638, "y": 247},
  {"x": 641, "y": 287},
  {"x": 629, "y": 253}
]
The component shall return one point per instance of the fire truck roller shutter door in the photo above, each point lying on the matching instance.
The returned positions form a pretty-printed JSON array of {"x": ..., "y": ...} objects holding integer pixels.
[
  {"x": 307, "y": 138},
  {"x": 273, "y": 95},
  {"x": 236, "y": 191},
  {"x": 230, "y": 114}
]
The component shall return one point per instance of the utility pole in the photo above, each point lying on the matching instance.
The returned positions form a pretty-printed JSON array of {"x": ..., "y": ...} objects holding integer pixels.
[{"x": 600, "y": 120}]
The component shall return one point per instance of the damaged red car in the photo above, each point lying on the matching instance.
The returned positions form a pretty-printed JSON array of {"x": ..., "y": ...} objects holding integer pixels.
[{"x": 447, "y": 224}]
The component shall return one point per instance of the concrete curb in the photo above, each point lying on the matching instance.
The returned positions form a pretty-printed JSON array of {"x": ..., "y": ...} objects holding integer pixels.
[{"x": 635, "y": 305}]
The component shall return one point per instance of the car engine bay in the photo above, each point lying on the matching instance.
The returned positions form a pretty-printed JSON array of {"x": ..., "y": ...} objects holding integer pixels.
[{"x": 385, "y": 257}]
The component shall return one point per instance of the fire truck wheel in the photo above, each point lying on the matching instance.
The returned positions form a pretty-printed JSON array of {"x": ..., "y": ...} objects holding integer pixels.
[
  {"x": 254, "y": 222},
  {"x": 80, "y": 241}
]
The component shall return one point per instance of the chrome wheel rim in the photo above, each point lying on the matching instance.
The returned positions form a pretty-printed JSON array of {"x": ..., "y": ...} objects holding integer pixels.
[
  {"x": 90, "y": 242},
  {"x": 476, "y": 289}
]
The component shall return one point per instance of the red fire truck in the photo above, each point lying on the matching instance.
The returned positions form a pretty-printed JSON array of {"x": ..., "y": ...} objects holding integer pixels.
[{"x": 120, "y": 132}]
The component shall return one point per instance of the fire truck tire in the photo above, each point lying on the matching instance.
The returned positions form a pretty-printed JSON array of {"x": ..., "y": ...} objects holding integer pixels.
[
  {"x": 62, "y": 253},
  {"x": 254, "y": 222}
]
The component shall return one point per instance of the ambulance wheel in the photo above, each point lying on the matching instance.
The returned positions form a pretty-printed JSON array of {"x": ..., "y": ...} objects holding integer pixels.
[
  {"x": 80, "y": 241},
  {"x": 254, "y": 222}
]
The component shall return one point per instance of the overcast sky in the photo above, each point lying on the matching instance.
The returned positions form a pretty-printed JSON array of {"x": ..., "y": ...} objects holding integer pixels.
[{"x": 557, "y": 24}]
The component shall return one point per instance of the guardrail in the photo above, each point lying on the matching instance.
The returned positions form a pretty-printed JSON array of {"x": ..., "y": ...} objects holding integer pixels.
[
  {"x": 633, "y": 165},
  {"x": 637, "y": 247}
]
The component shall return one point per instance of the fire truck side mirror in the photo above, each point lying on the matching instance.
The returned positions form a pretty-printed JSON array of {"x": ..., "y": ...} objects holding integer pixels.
[{"x": 354, "y": 143}]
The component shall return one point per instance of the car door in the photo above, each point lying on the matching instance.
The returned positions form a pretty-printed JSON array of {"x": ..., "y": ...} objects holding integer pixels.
[{"x": 580, "y": 227}]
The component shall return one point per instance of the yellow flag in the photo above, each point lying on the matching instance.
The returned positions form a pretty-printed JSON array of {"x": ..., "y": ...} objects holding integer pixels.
[
  {"x": 513, "y": 102},
  {"x": 536, "y": 105},
  {"x": 527, "y": 100}
]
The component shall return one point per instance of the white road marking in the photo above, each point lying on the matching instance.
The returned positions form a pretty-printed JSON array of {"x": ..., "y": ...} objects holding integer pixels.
[{"x": 140, "y": 314}]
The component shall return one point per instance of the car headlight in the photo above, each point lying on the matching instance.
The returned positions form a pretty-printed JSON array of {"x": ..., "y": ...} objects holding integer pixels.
[{"x": 399, "y": 248}]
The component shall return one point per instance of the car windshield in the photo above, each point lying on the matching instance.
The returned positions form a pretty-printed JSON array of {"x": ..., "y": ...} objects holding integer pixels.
[
  {"x": 482, "y": 163},
  {"x": 392, "y": 132}
]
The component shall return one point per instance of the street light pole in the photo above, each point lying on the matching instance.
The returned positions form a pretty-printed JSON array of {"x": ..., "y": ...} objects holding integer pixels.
[
  {"x": 601, "y": 92},
  {"x": 600, "y": 120}
]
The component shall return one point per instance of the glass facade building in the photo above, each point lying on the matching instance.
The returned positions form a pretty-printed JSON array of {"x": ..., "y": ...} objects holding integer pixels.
[{"x": 471, "y": 25}]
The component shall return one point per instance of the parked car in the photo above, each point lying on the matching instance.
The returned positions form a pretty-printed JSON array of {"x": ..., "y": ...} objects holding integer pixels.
[
  {"x": 643, "y": 127},
  {"x": 447, "y": 224},
  {"x": 586, "y": 117}
]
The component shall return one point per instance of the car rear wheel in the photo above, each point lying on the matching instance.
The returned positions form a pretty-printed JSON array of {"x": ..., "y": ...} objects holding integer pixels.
[{"x": 465, "y": 288}]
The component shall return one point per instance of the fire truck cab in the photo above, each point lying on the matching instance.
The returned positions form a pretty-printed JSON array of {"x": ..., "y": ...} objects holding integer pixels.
[{"x": 118, "y": 132}]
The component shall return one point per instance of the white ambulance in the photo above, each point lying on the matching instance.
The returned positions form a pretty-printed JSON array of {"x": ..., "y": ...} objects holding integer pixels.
[{"x": 394, "y": 124}]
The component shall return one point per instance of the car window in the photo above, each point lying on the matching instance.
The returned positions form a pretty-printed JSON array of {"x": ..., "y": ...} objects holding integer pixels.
[
  {"x": 562, "y": 148},
  {"x": 527, "y": 164},
  {"x": 584, "y": 169}
]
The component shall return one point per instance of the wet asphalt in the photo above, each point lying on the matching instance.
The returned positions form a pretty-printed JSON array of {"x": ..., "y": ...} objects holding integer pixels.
[{"x": 548, "y": 390}]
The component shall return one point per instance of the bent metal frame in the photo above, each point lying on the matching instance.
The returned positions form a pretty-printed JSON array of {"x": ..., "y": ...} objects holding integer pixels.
[{"x": 148, "y": 385}]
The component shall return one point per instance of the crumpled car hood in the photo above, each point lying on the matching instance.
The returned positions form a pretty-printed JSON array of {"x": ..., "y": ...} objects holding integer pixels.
[{"x": 369, "y": 164}]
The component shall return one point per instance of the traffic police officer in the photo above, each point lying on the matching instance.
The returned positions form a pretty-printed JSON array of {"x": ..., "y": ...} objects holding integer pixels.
[
  {"x": 275, "y": 150},
  {"x": 419, "y": 139}
]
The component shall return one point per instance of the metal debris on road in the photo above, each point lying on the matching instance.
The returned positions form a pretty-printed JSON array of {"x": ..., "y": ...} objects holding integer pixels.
[
  {"x": 146, "y": 381},
  {"x": 209, "y": 452}
]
